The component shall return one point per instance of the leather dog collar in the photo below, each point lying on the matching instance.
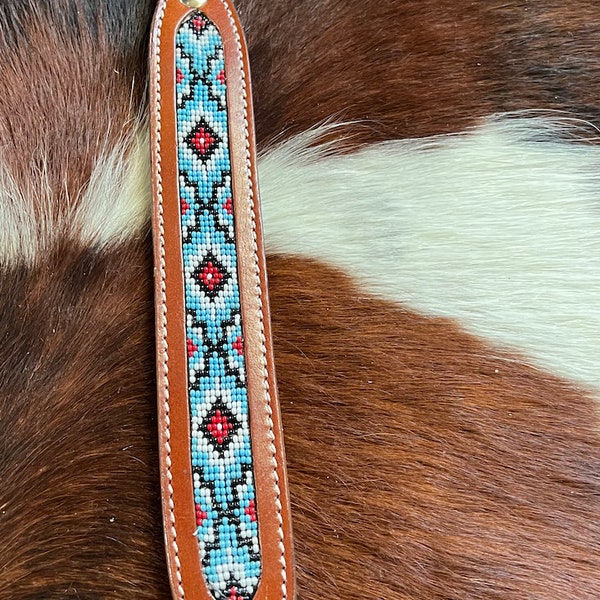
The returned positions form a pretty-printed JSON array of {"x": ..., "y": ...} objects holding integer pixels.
[{"x": 223, "y": 480}]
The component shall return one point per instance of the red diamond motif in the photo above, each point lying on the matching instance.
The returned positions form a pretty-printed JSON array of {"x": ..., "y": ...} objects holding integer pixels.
[
  {"x": 198, "y": 23},
  {"x": 221, "y": 77},
  {"x": 203, "y": 141},
  {"x": 210, "y": 276},
  {"x": 228, "y": 206},
  {"x": 180, "y": 76},
  {"x": 219, "y": 427}
]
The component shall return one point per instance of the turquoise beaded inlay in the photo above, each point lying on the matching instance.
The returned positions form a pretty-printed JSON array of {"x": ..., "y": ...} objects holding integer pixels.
[{"x": 221, "y": 452}]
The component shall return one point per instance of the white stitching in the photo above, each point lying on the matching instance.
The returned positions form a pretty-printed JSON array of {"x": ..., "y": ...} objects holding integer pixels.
[
  {"x": 260, "y": 307},
  {"x": 163, "y": 307},
  {"x": 163, "y": 300}
]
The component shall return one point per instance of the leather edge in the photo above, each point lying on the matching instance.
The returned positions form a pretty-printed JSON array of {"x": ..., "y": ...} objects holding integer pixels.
[{"x": 267, "y": 439}]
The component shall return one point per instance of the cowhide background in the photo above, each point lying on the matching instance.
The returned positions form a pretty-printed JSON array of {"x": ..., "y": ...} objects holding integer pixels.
[{"x": 431, "y": 195}]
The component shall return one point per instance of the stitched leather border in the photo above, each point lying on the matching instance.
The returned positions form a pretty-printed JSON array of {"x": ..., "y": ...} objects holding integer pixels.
[{"x": 185, "y": 569}]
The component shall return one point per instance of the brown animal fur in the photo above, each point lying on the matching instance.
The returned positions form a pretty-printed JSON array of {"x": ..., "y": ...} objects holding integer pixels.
[
  {"x": 79, "y": 510},
  {"x": 458, "y": 472},
  {"x": 411, "y": 68},
  {"x": 423, "y": 463},
  {"x": 73, "y": 79}
]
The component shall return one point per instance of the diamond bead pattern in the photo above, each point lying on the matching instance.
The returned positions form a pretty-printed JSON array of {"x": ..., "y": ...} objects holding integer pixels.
[{"x": 221, "y": 453}]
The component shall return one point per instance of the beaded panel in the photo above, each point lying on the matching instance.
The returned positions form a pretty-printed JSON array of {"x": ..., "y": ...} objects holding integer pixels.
[{"x": 221, "y": 452}]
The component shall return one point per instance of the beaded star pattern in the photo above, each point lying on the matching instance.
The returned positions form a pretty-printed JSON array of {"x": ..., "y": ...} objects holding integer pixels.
[{"x": 221, "y": 452}]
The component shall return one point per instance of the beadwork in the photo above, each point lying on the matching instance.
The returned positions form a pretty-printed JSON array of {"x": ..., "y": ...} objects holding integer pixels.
[{"x": 221, "y": 453}]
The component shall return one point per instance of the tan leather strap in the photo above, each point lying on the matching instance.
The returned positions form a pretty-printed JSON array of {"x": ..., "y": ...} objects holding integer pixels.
[{"x": 199, "y": 551}]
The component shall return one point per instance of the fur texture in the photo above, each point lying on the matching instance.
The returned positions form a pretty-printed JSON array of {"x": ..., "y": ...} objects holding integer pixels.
[
  {"x": 414, "y": 68},
  {"x": 79, "y": 510},
  {"x": 113, "y": 207},
  {"x": 424, "y": 463},
  {"x": 498, "y": 228},
  {"x": 454, "y": 475}
]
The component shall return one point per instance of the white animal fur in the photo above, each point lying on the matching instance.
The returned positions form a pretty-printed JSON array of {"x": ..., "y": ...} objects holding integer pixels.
[
  {"x": 117, "y": 203},
  {"x": 498, "y": 227},
  {"x": 114, "y": 206}
]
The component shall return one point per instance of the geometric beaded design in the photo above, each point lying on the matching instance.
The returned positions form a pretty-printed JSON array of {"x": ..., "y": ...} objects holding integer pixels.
[{"x": 221, "y": 452}]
